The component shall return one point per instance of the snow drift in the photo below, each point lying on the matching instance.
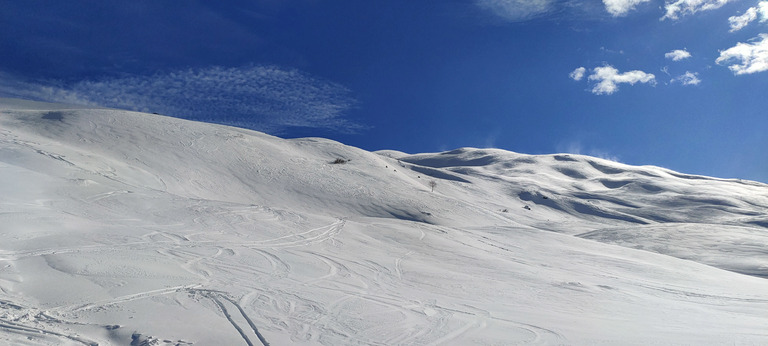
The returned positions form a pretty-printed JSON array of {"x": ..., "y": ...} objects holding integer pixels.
[{"x": 120, "y": 227}]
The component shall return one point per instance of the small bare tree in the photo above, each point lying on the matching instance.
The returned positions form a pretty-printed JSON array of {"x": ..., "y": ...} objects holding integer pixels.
[{"x": 432, "y": 184}]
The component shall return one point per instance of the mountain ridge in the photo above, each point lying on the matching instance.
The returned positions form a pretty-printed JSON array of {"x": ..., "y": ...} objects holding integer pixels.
[{"x": 110, "y": 215}]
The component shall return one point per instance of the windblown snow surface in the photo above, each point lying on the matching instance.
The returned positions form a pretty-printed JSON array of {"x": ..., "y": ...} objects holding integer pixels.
[{"x": 125, "y": 228}]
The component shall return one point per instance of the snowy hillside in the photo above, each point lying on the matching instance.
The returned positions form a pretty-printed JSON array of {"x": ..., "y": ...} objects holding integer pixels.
[{"x": 120, "y": 227}]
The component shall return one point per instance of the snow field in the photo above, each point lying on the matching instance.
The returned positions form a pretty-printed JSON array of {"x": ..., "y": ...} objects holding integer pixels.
[{"x": 121, "y": 227}]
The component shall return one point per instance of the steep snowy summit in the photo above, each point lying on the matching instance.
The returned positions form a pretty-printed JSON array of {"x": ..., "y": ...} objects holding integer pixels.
[{"x": 121, "y": 227}]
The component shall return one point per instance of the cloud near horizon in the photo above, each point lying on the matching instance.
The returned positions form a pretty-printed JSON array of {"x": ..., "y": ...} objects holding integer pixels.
[
  {"x": 261, "y": 97},
  {"x": 608, "y": 78},
  {"x": 676, "y": 9},
  {"x": 749, "y": 57}
]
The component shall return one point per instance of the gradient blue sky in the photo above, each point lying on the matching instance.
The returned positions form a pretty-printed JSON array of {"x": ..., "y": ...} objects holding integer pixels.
[{"x": 679, "y": 84}]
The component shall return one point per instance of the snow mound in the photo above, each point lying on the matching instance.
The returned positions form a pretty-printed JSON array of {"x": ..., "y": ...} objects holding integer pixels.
[{"x": 129, "y": 228}]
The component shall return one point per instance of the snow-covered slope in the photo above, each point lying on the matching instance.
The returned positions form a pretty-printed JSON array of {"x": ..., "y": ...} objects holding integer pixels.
[{"x": 127, "y": 228}]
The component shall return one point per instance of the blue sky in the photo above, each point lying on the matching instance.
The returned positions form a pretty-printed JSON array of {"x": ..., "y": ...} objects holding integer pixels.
[{"x": 679, "y": 84}]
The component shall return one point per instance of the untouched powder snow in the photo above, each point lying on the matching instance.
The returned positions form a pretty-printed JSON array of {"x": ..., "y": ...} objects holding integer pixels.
[{"x": 124, "y": 228}]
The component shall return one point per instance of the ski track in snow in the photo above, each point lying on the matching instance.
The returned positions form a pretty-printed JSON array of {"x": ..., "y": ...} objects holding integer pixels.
[
  {"x": 219, "y": 298},
  {"x": 20, "y": 328},
  {"x": 122, "y": 228},
  {"x": 173, "y": 247}
]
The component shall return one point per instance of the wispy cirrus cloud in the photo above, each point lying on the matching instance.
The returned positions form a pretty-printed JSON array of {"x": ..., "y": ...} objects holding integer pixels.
[
  {"x": 687, "y": 78},
  {"x": 261, "y": 97},
  {"x": 678, "y": 54},
  {"x": 608, "y": 78},
  {"x": 618, "y": 8},
  {"x": 750, "y": 15},
  {"x": 675, "y": 9},
  {"x": 516, "y": 10},
  {"x": 746, "y": 58}
]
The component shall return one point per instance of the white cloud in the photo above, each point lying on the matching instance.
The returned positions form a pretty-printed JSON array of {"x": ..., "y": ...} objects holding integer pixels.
[
  {"x": 578, "y": 73},
  {"x": 266, "y": 98},
  {"x": 608, "y": 79},
  {"x": 751, "y": 57},
  {"x": 678, "y": 54},
  {"x": 675, "y": 9},
  {"x": 619, "y": 8},
  {"x": 688, "y": 78},
  {"x": 516, "y": 10},
  {"x": 762, "y": 9},
  {"x": 750, "y": 15},
  {"x": 739, "y": 22}
]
